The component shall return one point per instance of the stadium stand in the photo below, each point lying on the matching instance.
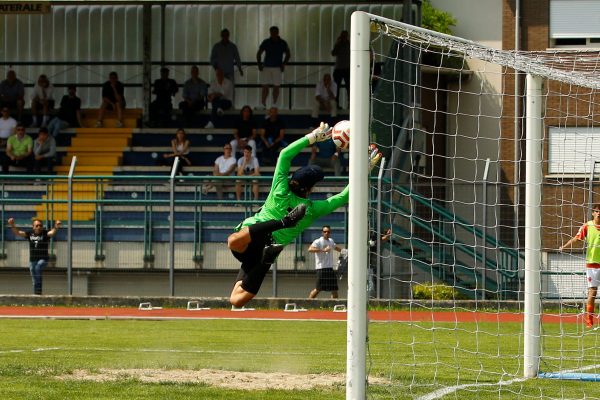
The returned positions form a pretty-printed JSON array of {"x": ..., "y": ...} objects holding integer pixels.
[{"x": 133, "y": 151}]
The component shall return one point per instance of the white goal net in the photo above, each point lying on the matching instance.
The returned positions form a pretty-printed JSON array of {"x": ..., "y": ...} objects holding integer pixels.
[{"x": 492, "y": 162}]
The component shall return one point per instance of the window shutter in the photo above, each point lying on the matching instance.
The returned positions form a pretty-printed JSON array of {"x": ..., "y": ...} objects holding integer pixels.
[
  {"x": 574, "y": 19},
  {"x": 572, "y": 150}
]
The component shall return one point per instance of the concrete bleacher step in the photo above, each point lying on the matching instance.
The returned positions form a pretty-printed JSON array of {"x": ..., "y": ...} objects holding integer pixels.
[
  {"x": 87, "y": 140},
  {"x": 111, "y": 123},
  {"x": 131, "y": 118},
  {"x": 100, "y": 147},
  {"x": 103, "y": 132},
  {"x": 86, "y": 169},
  {"x": 81, "y": 212},
  {"x": 59, "y": 191},
  {"x": 95, "y": 159},
  {"x": 98, "y": 151},
  {"x": 128, "y": 112},
  {"x": 86, "y": 189}
]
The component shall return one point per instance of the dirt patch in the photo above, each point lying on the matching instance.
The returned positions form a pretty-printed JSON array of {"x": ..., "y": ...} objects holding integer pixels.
[{"x": 213, "y": 377}]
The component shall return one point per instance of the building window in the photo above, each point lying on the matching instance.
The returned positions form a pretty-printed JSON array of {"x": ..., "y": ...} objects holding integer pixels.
[
  {"x": 572, "y": 150},
  {"x": 574, "y": 23}
]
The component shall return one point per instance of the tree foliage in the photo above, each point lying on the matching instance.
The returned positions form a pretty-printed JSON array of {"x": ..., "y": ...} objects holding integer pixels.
[{"x": 436, "y": 20}]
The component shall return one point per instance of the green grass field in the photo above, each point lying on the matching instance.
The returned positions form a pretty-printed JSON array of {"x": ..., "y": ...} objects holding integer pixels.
[{"x": 407, "y": 360}]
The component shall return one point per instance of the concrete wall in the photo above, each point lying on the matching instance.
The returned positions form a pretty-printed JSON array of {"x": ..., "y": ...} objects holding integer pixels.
[
  {"x": 156, "y": 283},
  {"x": 474, "y": 105},
  {"x": 130, "y": 255},
  {"x": 473, "y": 124}
]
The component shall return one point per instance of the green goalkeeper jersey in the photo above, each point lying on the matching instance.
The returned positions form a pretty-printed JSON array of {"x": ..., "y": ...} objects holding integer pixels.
[{"x": 281, "y": 200}]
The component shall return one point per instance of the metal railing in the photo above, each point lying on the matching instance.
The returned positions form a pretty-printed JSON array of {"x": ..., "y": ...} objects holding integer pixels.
[
  {"x": 137, "y": 79},
  {"x": 137, "y": 223}
]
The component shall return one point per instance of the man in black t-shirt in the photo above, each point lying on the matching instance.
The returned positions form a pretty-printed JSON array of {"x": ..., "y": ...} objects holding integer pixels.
[
  {"x": 271, "y": 136},
  {"x": 39, "y": 238},
  {"x": 164, "y": 89},
  {"x": 69, "y": 114},
  {"x": 113, "y": 98}
]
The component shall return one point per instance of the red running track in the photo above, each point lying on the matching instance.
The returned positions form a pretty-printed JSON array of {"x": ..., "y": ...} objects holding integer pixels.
[{"x": 175, "y": 313}]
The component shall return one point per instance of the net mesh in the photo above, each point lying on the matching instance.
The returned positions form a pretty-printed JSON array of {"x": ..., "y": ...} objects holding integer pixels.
[{"x": 445, "y": 113}]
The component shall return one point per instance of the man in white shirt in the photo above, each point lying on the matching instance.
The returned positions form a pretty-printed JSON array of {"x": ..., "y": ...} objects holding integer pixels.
[
  {"x": 42, "y": 101},
  {"x": 247, "y": 165},
  {"x": 225, "y": 165},
  {"x": 325, "y": 92},
  {"x": 323, "y": 249},
  {"x": 220, "y": 94},
  {"x": 7, "y": 127}
]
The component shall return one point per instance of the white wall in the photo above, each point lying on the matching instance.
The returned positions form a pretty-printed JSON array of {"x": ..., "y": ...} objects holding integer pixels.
[
  {"x": 114, "y": 33},
  {"x": 477, "y": 20},
  {"x": 474, "y": 119}
]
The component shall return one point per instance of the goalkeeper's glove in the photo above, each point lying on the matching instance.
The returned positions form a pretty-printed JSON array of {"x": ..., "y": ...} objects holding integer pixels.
[
  {"x": 374, "y": 156},
  {"x": 321, "y": 134}
]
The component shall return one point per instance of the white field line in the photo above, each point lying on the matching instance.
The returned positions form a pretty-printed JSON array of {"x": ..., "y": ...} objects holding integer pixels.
[
  {"x": 150, "y": 318},
  {"x": 173, "y": 351},
  {"x": 30, "y": 350},
  {"x": 451, "y": 389}
]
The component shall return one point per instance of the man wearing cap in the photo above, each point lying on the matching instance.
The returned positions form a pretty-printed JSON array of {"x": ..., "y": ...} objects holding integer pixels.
[{"x": 287, "y": 211}]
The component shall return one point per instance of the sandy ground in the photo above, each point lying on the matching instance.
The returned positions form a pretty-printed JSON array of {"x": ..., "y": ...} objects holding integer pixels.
[{"x": 213, "y": 377}]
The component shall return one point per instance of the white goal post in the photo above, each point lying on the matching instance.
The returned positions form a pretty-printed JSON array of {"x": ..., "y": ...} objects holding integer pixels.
[
  {"x": 358, "y": 219},
  {"x": 552, "y": 78}
]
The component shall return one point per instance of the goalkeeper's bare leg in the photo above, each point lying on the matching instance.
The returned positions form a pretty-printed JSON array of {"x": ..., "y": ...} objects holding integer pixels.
[{"x": 252, "y": 246}]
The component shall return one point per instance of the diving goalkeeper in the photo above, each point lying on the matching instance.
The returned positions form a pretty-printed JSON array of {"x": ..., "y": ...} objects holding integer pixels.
[{"x": 287, "y": 211}]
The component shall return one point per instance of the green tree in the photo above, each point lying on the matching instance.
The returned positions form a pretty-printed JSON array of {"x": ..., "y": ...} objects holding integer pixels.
[{"x": 436, "y": 20}]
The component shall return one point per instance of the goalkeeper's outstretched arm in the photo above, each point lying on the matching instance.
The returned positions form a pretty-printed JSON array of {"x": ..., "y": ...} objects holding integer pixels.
[
  {"x": 284, "y": 161},
  {"x": 324, "y": 207}
]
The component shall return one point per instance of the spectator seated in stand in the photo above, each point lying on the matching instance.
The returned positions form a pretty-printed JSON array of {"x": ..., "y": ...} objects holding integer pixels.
[
  {"x": 69, "y": 113},
  {"x": 247, "y": 165},
  {"x": 7, "y": 127},
  {"x": 19, "y": 151},
  {"x": 244, "y": 132},
  {"x": 162, "y": 107},
  {"x": 271, "y": 137},
  {"x": 194, "y": 95},
  {"x": 44, "y": 152},
  {"x": 113, "y": 98},
  {"x": 220, "y": 94},
  {"x": 180, "y": 147},
  {"x": 12, "y": 94},
  {"x": 325, "y": 91},
  {"x": 42, "y": 100},
  {"x": 225, "y": 165}
]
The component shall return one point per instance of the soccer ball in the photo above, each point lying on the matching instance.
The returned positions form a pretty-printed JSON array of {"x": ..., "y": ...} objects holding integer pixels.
[{"x": 341, "y": 134}]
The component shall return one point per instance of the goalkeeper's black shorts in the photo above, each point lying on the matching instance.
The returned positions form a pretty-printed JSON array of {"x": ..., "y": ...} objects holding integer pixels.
[{"x": 253, "y": 270}]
